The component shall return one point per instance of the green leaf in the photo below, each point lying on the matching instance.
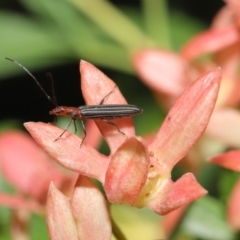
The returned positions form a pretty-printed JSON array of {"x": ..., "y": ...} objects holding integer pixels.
[
  {"x": 183, "y": 28},
  {"x": 205, "y": 219},
  {"x": 5, "y": 222},
  {"x": 24, "y": 38},
  {"x": 226, "y": 183},
  {"x": 38, "y": 228}
]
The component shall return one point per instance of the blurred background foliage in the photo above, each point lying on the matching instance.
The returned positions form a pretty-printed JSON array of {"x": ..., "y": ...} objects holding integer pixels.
[{"x": 52, "y": 36}]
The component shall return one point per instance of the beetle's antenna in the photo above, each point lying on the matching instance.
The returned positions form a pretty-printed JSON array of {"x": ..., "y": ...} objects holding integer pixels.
[
  {"x": 49, "y": 75},
  {"x": 52, "y": 100}
]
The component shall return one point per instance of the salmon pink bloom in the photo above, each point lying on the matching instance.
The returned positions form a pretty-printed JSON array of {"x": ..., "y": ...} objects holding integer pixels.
[
  {"x": 155, "y": 69},
  {"x": 84, "y": 215},
  {"x": 137, "y": 173},
  {"x": 28, "y": 168},
  {"x": 221, "y": 44},
  {"x": 221, "y": 41},
  {"x": 231, "y": 160}
]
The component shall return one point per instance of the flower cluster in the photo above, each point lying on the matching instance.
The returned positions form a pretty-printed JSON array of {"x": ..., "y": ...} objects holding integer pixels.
[{"x": 135, "y": 173}]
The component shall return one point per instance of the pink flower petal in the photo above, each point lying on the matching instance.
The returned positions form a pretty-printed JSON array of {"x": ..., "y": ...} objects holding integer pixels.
[
  {"x": 229, "y": 160},
  {"x": 224, "y": 125},
  {"x": 90, "y": 210},
  {"x": 155, "y": 68},
  {"x": 184, "y": 191},
  {"x": 95, "y": 86},
  {"x": 228, "y": 59},
  {"x": 26, "y": 166},
  {"x": 233, "y": 210},
  {"x": 17, "y": 202},
  {"x": 185, "y": 122},
  {"x": 67, "y": 152},
  {"x": 60, "y": 220},
  {"x": 234, "y": 98},
  {"x": 225, "y": 96},
  {"x": 171, "y": 220},
  {"x": 234, "y": 5},
  {"x": 223, "y": 18},
  {"x": 94, "y": 136},
  {"x": 210, "y": 41},
  {"x": 127, "y": 172}
]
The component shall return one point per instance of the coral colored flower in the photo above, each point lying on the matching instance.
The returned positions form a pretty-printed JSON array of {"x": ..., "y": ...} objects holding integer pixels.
[
  {"x": 29, "y": 170},
  {"x": 231, "y": 160},
  {"x": 84, "y": 215},
  {"x": 171, "y": 220},
  {"x": 155, "y": 69},
  {"x": 137, "y": 173},
  {"x": 221, "y": 42}
]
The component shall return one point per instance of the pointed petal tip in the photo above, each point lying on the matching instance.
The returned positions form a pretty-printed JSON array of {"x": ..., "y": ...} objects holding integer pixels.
[
  {"x": 60, "y": 220},
  {"x": 215, "y": 73},
  {"x": 180, "y": 193},
  {"x": 26, "y": 124},
  {"x": 90, "y": 210},
  {"x": 187, "y": 119},
  {"x": 51, "y": 186},
  {"x": 228, "y": 160},
  {"x": 86, "y": 67},
  {"x": 210, "y": 41},
  {"x": 83, "y": 62},
  {"x": 32, "y": 125}
]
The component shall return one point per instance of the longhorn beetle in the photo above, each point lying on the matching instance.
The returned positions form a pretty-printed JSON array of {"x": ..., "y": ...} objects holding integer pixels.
[{"x": 104, "y": 112}]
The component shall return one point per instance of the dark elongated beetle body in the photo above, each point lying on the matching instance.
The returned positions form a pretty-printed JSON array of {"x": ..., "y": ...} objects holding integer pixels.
[{"x": 100, "y": 111}]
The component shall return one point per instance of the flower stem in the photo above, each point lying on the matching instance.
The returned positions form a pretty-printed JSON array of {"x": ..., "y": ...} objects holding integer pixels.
[{"x": 117, "y": 231}]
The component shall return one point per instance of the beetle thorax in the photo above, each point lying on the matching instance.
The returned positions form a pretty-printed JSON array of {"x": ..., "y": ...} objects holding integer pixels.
[{"x": 72, "y": 112}]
